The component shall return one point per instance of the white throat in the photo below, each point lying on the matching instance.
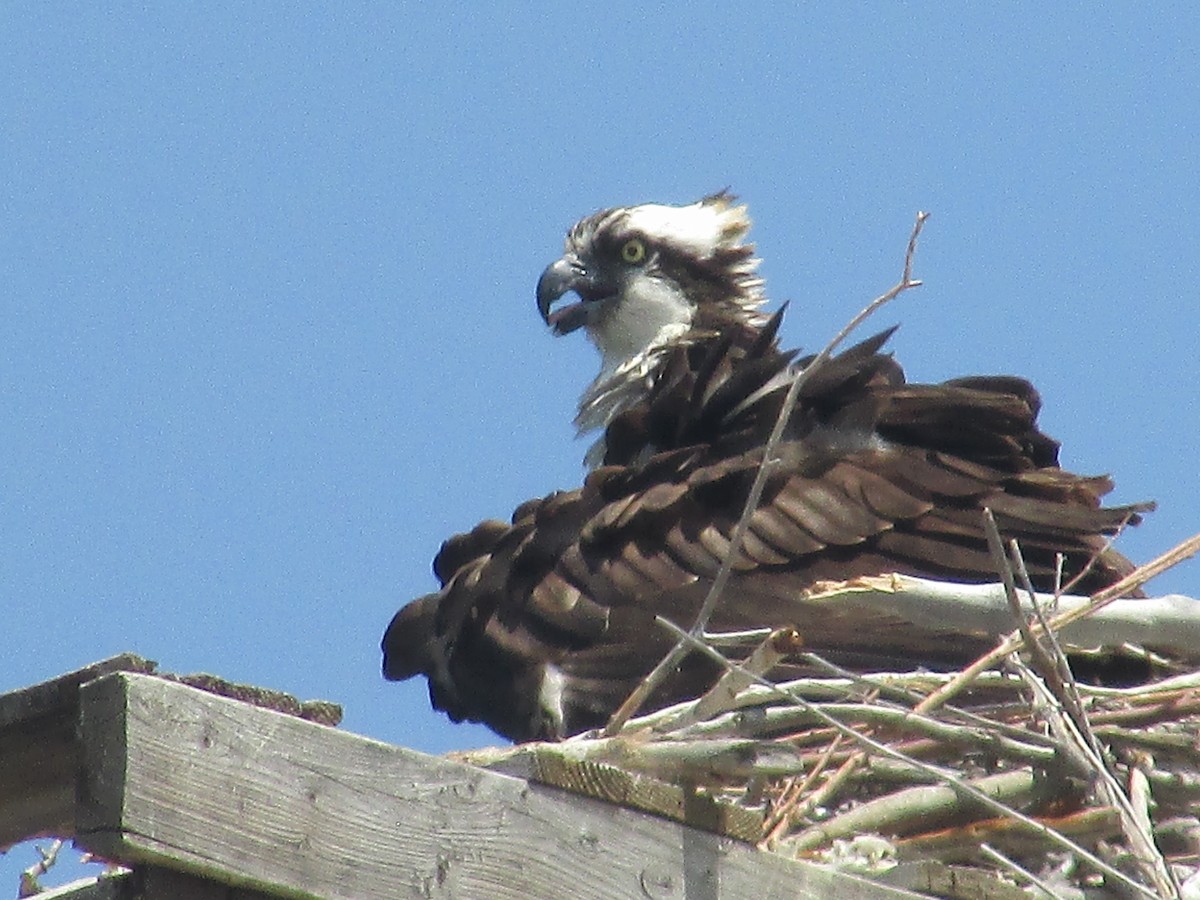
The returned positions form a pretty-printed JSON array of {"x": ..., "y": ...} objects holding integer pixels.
[
  {"x": 630, "y": 336},
  {"x": 650, "y": 313}
]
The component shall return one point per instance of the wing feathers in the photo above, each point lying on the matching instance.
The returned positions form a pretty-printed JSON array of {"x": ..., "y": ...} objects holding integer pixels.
[
  {"x": 543, "y": 625},
  {"x": 772, "y": 525},
  {"x": 825, "y": 512}
]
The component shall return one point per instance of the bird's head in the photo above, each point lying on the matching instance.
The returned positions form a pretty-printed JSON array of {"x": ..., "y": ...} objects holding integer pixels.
[{"x": 645, "y": 275}]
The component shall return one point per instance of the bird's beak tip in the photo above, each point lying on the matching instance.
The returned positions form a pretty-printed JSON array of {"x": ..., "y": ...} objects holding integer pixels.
[{"x": 560, "y": 276}]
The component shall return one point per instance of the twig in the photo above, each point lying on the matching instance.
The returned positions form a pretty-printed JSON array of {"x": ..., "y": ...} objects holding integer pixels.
[
  {"x": 1004, "y": 862},
  {"x": 788, "y": 808},
  {"x": 962, "y": 842},
  {"x": 1061, "y": 588},
  {"x": 1077, "y": 740},
  {"x": 765, "y": 657},
  {"x": 834, "y": 783},
  {"x": 1036, "y": 651},
  {"x": 635, "y": 700},
  {"x": 904, "y": 721},
  {"x": 1139, "y": 790},
  {"x": 1135, "y": 579},
  {"x": 885, "y": 685},
  {"x": 29, "y": 884},
  {"x": 1014, "y": 642},
  {"x": 1050, "y": 667},
  {"x": 1066, "y": 677},
  {"x": 922, "y": 805}
]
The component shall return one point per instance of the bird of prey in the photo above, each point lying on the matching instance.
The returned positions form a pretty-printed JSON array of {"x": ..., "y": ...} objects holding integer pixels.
[{"x": 545, "y": 623}]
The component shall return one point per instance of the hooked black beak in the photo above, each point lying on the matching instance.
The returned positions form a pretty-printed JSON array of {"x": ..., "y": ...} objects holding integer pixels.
[{"x": 563, "y": 275}]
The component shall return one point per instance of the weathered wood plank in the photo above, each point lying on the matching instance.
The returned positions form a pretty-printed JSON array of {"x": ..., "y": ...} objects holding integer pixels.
[
  {"x": 549, "y": 765},
  {"x": 250, "y": 797},
  {"x": 37, "y": 751},
  {"x": 52, "y": 696}
]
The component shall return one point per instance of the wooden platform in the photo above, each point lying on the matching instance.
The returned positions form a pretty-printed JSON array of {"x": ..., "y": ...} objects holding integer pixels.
[{"x": 205, "y": 796}]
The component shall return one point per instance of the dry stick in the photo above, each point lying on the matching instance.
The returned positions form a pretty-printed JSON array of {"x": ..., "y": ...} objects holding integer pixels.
[
  {"x": 1003, "y": 861},
  {"x": 721, "y": 695},
  {"x": 29, "y": 885},
  {"x": 1070, "y": 685},
  {"x": 1069, "y": 721},
  {"x": 1014, "y": 642},
  {"x": 834, "y": 782},
  {"x": 1138, "y": 832},
  {"x": 1037, "y": 652},
  {"x": 786, "y": 810},
  {"x": 899, "y": 719},
  {"x": 1046, "y": 665},
  {"x": 922, "y": 806},
  {"x": 1070, "y": 697},
  {"x": 889, "y": 691},
  {"x": 944, "y": 775},
  {"x": 1087, "y": 824},
  {"x": 1145, "y": 704},
  {"x": 1139, "y": 789},
  {"x": 635, "y": 700},
  {"x": 1061, "y": 588}
]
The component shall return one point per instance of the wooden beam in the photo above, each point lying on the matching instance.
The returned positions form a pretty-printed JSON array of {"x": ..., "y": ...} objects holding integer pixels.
[
  {"x": 553, "y": 765},
  {"x": 37, "y": 752},
  {"x": 187, "y": 780}
]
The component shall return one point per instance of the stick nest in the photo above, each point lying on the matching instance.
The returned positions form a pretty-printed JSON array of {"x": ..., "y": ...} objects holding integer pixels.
[{"x": 1012, "y": 780}]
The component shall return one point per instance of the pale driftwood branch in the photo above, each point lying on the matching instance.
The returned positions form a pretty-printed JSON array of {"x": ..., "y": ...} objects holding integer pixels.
[
  {"x": 635, "y": 700},
  {"x": 1169, "y": 624}
]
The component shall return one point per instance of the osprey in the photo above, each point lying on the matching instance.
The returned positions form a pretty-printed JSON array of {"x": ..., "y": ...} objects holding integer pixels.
[{"x": 545, "y": 624}]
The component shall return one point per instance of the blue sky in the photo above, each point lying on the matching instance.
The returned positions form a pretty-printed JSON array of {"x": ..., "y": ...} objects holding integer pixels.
[{"x": 267, "y": 275}]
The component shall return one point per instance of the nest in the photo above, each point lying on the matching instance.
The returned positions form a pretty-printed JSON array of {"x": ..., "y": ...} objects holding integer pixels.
[{"x": 1007, "y": 779}]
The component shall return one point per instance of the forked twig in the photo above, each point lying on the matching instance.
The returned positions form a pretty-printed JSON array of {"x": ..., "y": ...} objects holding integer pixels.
[
  {"x": 635, "y": 700},
  {"x": 29, "y": 883}
]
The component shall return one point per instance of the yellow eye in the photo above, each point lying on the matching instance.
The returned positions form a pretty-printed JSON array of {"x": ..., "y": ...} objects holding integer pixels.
[{"x": 633, "y": 251}]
